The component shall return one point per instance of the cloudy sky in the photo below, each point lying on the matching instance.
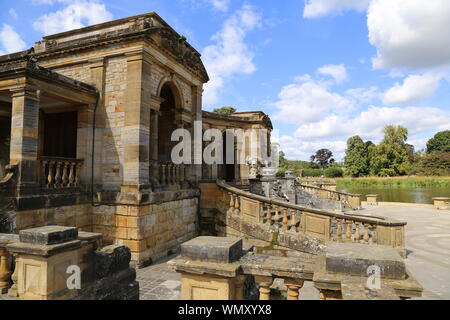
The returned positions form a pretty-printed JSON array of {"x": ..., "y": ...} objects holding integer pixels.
[{"x": 324, "y": 70}]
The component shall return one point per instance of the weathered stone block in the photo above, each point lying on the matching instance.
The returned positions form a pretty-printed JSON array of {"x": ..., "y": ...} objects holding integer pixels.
[
  {"x": 222, "y": 250},
  {"x": 355, "y": 259},
  {"x": 49, "y": 235}
]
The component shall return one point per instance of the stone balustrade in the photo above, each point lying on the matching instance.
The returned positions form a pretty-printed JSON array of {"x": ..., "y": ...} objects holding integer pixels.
[
  {"x": 214, "y": 268},
  {"x": 351, "y": 201},
  {"x": 314, "y": 223},
  {"x": 169, "y": 174},
  {"x": 60, "y": 173}
]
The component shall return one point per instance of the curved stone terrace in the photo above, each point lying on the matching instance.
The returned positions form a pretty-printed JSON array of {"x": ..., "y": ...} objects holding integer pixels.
[{"x": 428, "y": 256}]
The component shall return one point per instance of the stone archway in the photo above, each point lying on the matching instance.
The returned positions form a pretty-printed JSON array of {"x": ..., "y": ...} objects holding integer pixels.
[{"x": 170, "y": 95}]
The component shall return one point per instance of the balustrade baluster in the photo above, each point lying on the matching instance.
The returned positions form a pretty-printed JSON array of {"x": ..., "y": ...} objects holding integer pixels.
[
  {"x": 65, "y": 174},
  {"x": 285, "y": 218},
  {"x": 231, "y": 199},
  {"x": 268, "y": 210},
  {"x": 293, "y": 220},
  {"x": 366, "y": 233},
  {"x": 237, "y": 204},
  {"x": 163, "y": 174},
  {"x": 72, "y": 174},
  {"x": 50, "y": 178},
  {"x": 339, "y": 228},
  {"x": 357, "y": 231},
  {"x": 348, "y": 234},
  {"x": 277, "y": 215},
  {"x": 43, "y": 177}
]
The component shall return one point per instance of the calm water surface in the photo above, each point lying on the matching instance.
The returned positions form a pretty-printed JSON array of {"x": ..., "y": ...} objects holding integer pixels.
[{"x": 412, "y": 195}]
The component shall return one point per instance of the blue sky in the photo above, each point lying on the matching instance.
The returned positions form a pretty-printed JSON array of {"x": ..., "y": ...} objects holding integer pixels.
[{"x": 324, "y": 70}]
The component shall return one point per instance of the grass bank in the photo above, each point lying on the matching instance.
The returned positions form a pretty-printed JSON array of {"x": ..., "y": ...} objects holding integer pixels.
[{"x": 395, "y": 182}]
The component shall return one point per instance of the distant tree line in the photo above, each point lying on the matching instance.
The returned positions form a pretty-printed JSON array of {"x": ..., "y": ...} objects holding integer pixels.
[
  {"x": 394, "y": 157},
  {"x": 391, "y": 157}
]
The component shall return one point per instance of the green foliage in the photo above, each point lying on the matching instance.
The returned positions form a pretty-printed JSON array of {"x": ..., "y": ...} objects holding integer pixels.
[
  {"x": 439, "y": 143},
  {"x": 225, "y": 110},
  {"x": 323, "y": 158},
  {"x": 356, "y": 157},
  {"x": 435, "y": 164},
  {"x": 313, "y": 172},
  {"x": 392, "y": 156},
  {"x": 334, "y": 173},
  {"x": 281, "y": 172}
]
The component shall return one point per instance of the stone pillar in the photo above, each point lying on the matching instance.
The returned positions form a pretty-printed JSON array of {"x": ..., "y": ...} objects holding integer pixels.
[
  {"x": 136, "y": 131},
  {"x": 195, "y": 171},
  {"x": 154, "y": 125},
  {"x": 24, "y": 125},
  {"x": 24, "y": 135},
  {"x": 373, "y": 199},
  {"x": 441, "y": 203}
]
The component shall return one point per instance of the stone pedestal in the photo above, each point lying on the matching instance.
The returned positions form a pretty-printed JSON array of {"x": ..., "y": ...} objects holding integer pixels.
[
  {"x": 263, "y": 184},
  {"x": 441, "y": 203},
  {"x": 210, "y": 269},
  {"x": 373, "y": 199}
]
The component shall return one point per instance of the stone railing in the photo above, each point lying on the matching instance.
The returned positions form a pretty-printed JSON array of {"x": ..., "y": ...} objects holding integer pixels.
[
  {"x": 315, "y": 223},
  {"x": 60, "y": 173},
  {"x": 222, "y": 269},
  {"x": 351, "y": 201},
  {"x": 168, "y": 174}
]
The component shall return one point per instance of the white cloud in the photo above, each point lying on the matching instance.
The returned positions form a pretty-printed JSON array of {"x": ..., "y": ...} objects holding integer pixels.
[
  {"x": 309, "y": 101},
  {"x": 333, "y": 131},
  {"x": 13, "y": 13},
  {"x": 77, "y": 14},
  {"x": 410, "y": 33},
  {"x": 414, "y": 88},
  {"x": 338, "y": 72},
  {"x": 319, "y": 8},
  {"x": 369, "y": 123},
  {"x": 221, "y": 5},
  {"x": 230, "y": 55},
  {"x": 364, "y": 95},
  {"x": 10, "y": 40}
]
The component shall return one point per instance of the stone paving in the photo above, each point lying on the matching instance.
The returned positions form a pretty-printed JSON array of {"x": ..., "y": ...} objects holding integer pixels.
[{"x": 427, "y": 240}]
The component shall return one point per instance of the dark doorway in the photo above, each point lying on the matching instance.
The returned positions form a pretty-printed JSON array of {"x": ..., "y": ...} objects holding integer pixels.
[
  {"x": 60, "y": 135},
  {"x": 166, "y": 124},
  {"x": 228, "y": 170},
  {"x": 5, "y": 136}
]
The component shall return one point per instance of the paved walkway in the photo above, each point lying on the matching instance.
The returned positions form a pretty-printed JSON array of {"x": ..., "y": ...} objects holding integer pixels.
[
  {"x": 427, "y": 241},
  {"x": 428, "y": 245}
]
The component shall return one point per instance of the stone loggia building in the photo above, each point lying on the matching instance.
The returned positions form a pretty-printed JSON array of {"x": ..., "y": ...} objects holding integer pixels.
[{"x": 86, "y": 118}]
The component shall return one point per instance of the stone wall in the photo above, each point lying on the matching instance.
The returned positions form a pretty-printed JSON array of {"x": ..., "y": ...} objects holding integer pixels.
[
  {"x": 70, "y": 216},
  {"x": 150, "y": 231}
]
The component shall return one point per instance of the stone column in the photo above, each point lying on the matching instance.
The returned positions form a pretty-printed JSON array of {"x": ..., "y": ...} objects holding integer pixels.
[
  {"x": 154, "y": 165},
  {"x": 24, "y": 135},
  {"x": 136, "y": 131},
  {"x": 195, "y": 171},
  {"x": 24, "y": 125}
]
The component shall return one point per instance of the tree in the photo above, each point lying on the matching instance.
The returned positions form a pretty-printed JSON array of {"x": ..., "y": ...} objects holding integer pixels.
[
  {"x": 435, "y": 164},
  {"x": 323, "y": 158},
  {"x": 356, "y": 159},
  {"x": 225, "y": 110},
  {"x": 282, "y": 159},
  {"x": 392, "y": 156},
  {"x": 440, "y": 142}
]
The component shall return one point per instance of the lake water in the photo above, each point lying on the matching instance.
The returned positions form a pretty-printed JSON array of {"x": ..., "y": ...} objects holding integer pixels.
[{"x": 412, "y": 195}]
